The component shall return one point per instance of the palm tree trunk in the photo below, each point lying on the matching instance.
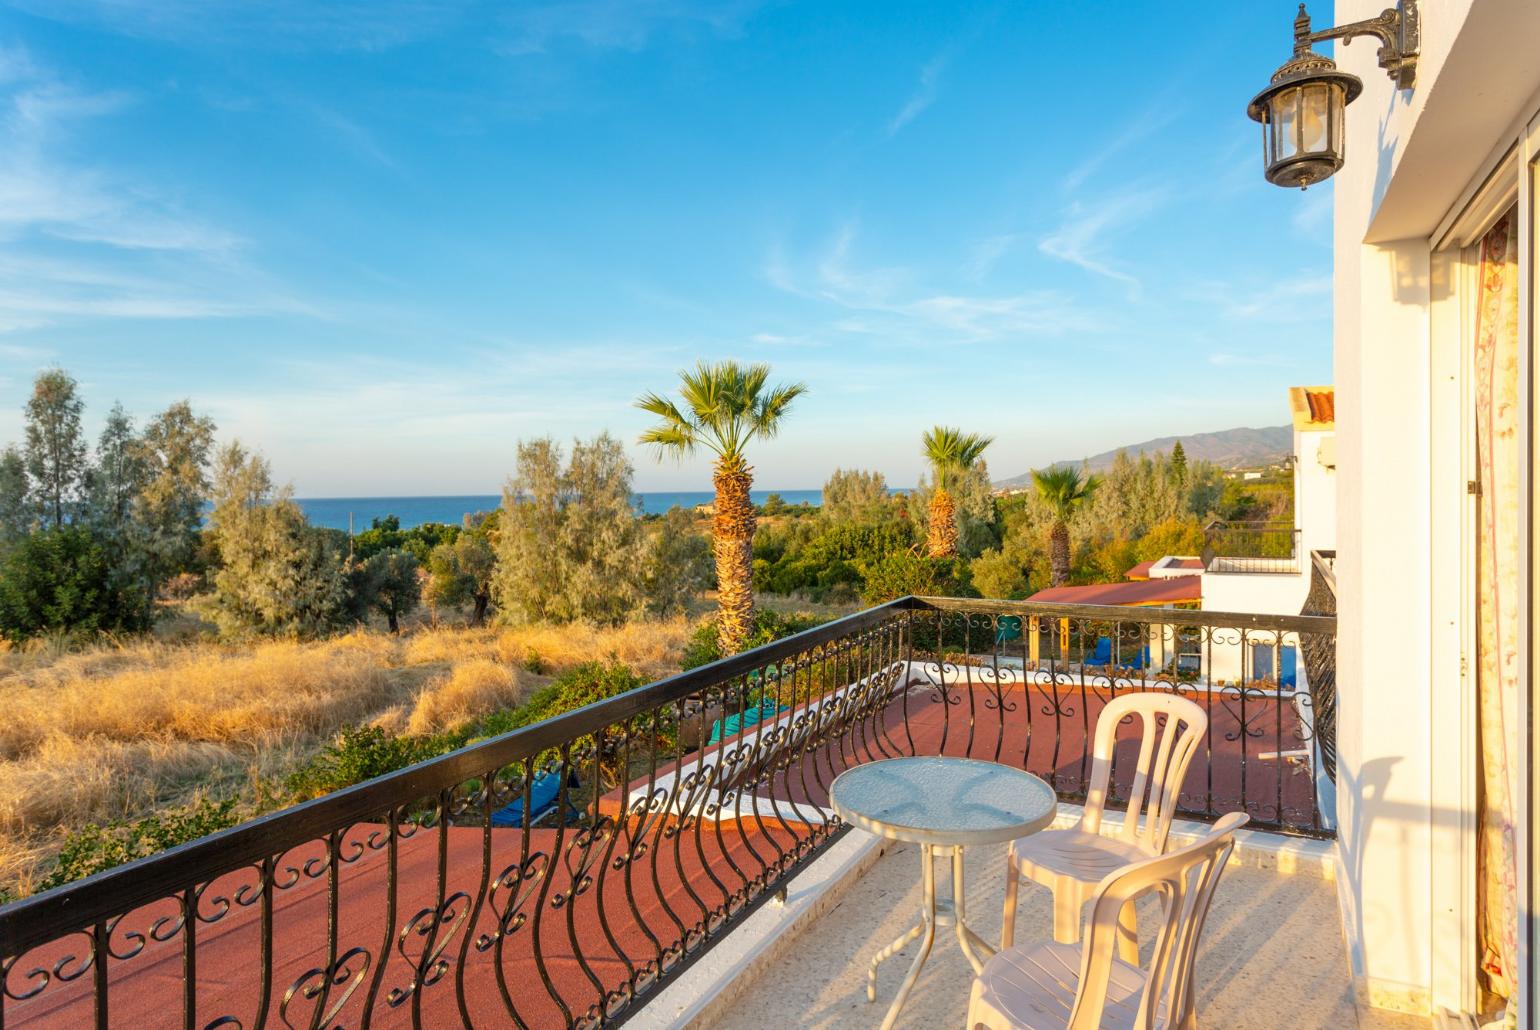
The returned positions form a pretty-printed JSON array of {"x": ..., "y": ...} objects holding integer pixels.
[
  {"x": 941, "y": 537},
  {"x": 732, "y": 540},
  {"x": 1058, "y": 552}
]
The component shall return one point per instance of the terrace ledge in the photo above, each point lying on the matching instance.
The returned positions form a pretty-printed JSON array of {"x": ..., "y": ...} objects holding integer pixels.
[{"x": 718, "y": 978}]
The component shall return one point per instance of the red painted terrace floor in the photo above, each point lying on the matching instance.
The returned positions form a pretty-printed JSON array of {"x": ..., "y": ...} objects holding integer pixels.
[{"x": 560, "y": 956}]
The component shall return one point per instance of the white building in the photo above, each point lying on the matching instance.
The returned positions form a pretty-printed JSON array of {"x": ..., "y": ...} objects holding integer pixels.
[
  {"x": 1435, "y": 330},
  {"x": 1266, "y": 569}
]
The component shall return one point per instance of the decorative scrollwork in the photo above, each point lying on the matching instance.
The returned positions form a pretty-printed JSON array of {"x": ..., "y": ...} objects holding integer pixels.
[
  {"x": 507, "y": 894},
  {"x": 317, "y": 986},
  {"x": 436, "y": 927}
]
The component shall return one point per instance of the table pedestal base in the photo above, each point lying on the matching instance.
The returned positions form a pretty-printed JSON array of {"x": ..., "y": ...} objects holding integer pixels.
[{"x": 932, "y": 914}]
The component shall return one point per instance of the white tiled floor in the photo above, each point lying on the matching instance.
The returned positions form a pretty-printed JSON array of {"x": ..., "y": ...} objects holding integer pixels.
[{"x": 1271, "y": 955}]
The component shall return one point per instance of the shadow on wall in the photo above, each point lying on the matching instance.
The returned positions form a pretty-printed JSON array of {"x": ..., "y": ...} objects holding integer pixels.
[{"x": 1372, "y": 814}]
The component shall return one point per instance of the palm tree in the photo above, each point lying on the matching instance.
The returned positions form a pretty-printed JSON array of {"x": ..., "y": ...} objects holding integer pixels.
[
  {"x": 952, "y": 454},
  {"x": 1064, "y": 489},
  {"x": 726, "y": 405}
]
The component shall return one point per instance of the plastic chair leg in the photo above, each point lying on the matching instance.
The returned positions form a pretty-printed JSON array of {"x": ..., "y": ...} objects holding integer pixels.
[
  {"x": 1012, "y": 888},
  {"x": 1128, "y": 935},
  {"x": 1066, "y": 916}
]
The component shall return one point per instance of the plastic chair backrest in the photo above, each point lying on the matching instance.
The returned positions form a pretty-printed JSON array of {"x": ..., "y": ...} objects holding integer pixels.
[
  {"x": 1166, "y": 747},
  {"x": 1184, "y": 880}
]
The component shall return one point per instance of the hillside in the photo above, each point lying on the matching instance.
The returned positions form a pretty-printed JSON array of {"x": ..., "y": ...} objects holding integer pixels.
[{"x": 1227, "y": 448}]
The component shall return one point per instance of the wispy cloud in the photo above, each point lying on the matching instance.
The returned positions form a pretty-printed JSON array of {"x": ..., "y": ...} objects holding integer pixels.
[
  {"x": 1293, "y": 299},
  {"x": 986, "y": 253},
  {"x": 284, "y": 24},
  {"x": 1081, "y": 239},
  {"x": 924, "y": 91},
  {"x": 1152, "y": 119},
  {"x": 1227, "y": 360},
  {"x": 67, "y": 229},
  {"x": 352, "y": 135},
  {"x": 893, "y": 301},
  {"x": 534, "y": 27},
  {"x": 1313, "y": 215}
]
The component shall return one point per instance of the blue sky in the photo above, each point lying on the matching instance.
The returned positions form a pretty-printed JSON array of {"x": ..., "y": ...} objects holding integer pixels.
[{"x": 382, "y": 240}]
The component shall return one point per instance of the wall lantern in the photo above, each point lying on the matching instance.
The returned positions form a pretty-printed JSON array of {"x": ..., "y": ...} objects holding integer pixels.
[{"x": 1302, "y": 110}]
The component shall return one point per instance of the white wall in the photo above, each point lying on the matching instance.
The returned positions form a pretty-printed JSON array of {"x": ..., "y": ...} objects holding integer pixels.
[
  {"x": 1315, "y": 493},
  {"x": 1409, "y": 156}
]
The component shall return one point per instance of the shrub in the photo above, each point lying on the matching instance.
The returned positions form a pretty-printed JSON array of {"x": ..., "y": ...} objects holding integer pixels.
[
  {"x": 64, "y": 580},
  {"x": 703, "y": 647},
  {"x": 362, "y": 754},
  {"x": 182, "y": 587},
  {"x": 388, "y": 583},
  {"x": 95, "y": 848},
  {"x": 593, "y": 681},
  {"x": 905, "y": 572}
]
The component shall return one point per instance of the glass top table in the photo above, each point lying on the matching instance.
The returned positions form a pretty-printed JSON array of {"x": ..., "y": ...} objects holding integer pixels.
[{"x": 940, "y": 803}]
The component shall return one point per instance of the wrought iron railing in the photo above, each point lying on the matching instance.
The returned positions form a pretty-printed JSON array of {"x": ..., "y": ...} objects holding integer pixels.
[
  {"x": 475, "y": 889},
  {"x": 1255, "y": 547}
]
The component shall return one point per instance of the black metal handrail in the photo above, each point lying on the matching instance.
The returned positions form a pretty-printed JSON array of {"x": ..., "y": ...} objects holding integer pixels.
[
  {"x": 681, "y": 806},
  {"x": 1254, "y": 547}
]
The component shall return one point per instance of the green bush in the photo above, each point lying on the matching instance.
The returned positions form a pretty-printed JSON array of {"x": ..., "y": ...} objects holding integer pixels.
[
  {"x": 65, "y": 580},
  {"x": 362, "y": 754},
  {"x": 95, "y": 848},
  {"x": 823, "y": 559},
  {"x": 703, "y": 648},
  {"x": 576, "y": 688},
  {"x": 904, "y": 573},
  {"x": 387, "y": 535}
]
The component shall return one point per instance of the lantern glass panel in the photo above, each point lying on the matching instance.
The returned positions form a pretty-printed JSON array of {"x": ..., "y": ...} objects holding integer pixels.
[
  {"x": 1314, "y": 116},
  {"x": 1338, "y": 105},
  {"x": 1286, "y": 124}
]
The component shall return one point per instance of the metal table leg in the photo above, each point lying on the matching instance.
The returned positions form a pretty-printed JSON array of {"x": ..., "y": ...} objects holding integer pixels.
[
  {"x": 972, "y": 944},
  {"x": 925, "y": 929}
]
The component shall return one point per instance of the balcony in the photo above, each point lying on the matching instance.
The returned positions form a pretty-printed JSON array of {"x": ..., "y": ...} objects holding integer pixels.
[
  {"x": 1265, "y": 548},
  {"x": 578, "y": 871}
]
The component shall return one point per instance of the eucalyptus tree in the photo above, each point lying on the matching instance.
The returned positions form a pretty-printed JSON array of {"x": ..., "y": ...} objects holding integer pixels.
[
  {"x": 175, "y": 449},
  {"x": 952, "y": 455},
  {"x": 1063, "y": 489},
  {"x": 569, "y": 544},
  {"x": 16, "y": 508},
  {"x": 854, "y": 496},
  {"x": 726, "y": 407},
  {"x": 118, "y": 476},
  {"x": 56, "y": 446},
  {"x": 279, "y": 575}
]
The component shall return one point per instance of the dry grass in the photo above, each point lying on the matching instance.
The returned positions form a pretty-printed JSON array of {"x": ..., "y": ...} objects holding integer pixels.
[
  {"x": 115, "y": 731},
  {"x": 471, "y": 690}
]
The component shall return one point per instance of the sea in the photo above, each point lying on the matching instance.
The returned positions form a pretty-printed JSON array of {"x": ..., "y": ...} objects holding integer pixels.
[{"x": 340, "y": 512}]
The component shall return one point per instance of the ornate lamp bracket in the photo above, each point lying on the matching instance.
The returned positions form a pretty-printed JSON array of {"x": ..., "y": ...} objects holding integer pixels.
[{"x": 1397, "y": 28}]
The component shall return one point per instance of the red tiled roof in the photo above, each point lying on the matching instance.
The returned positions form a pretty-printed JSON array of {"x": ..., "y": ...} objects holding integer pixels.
[
  {"x": 1136, "y": 592},
  {"x": 1140, "y": 571},
  {"x": 1314, "y": 407},
  {"x": 1186, "y": 563}
]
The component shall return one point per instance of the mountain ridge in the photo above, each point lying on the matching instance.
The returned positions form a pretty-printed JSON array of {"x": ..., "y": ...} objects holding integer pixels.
[{"x": 1227, "y": 448}]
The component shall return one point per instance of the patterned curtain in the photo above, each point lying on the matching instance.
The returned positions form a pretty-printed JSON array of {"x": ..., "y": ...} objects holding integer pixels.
[{"x": 1499, "y": 581}]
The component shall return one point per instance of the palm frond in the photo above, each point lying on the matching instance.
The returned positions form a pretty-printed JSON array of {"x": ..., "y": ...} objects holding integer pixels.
[
  {"x": 951, "y": 451},
  {"x": 772, "y": 407},
  {"x": 725, "y": 407},
  {"x": 1064, "y": 488}
]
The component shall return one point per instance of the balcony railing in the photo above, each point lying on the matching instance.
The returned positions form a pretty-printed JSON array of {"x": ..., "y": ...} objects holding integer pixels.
[
  {"x": 1254, "y": 547},
  {"x": 443, "y": 894}
]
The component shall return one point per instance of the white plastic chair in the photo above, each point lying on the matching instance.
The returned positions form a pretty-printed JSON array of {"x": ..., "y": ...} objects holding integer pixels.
[
  {"x": 1044, "y": 985},
  {"x": 1072, "y": 862}
]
